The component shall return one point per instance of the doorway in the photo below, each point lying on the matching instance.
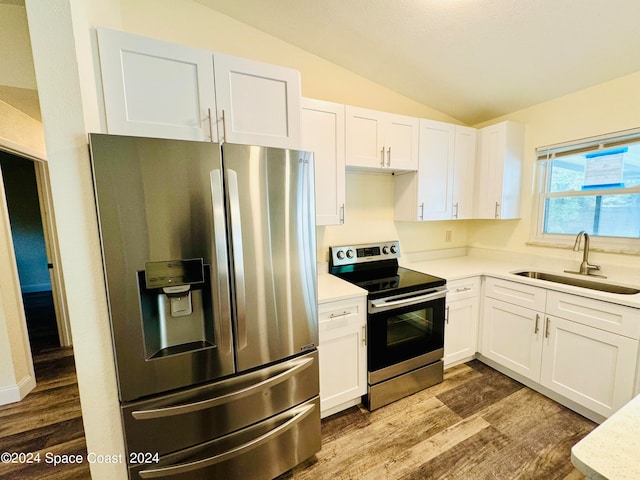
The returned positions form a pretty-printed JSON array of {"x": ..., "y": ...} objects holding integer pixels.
[{"x": 25, "y": 185}]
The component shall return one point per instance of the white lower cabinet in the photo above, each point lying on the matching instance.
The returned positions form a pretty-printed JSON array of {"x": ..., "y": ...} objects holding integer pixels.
[
  {"x": 593, "y": 366},
  {"x": 589, "y": 366},
  {"x": 462, "y": 318},
  {"x": 510, "y": 338},
  {"x": 343, "y": 354}
]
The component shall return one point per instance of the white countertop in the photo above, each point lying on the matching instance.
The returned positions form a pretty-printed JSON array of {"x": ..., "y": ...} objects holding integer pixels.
[
  {"x": 612, "y": 450},
  {"x": 332, "y": 288},
  {"x": 467, "y": 266}
]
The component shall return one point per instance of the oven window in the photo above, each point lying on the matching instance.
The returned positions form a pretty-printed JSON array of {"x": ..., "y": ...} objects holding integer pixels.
[
  {"x": 405, "y": 333},
  {"x": 408, "y": 327}
]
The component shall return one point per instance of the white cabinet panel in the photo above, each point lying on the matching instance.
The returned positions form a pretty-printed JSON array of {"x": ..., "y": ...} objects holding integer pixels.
[
  {"x": 443, "y": 187},
  {"x": 499, "y": 171},
  {"x": 589, "y": 366},
  {"x": 160, "y": 89},
  {"x": 462, "y": 320},
  {"x": 606, "y": 316},
  {"x": 527, "y": 296},
  {"x": 343, "y": 354},
  {"x": 155, "y": 89},
  {"x": 512, "y": 336},
  {"x": 259, "y": 103},
  {"x": 380, "y": 140},
  {"x": 322, "y": 132},
  {"x": 464, "y": 172}
]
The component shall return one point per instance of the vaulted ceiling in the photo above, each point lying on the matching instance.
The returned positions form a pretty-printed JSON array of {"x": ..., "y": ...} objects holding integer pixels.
[{"x": 472, "y": 59}]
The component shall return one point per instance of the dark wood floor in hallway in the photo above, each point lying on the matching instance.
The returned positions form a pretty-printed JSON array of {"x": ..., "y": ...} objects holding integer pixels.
[
  {"x": 478, "y": 424},
  {"x": 48, "y": 420}
]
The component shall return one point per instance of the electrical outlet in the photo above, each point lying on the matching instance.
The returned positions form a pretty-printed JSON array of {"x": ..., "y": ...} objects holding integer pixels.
[{"x": 447, "y": 236}]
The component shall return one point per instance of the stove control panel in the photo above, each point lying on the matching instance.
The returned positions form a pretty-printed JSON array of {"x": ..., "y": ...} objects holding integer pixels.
[{"x": 369, "y": 252}]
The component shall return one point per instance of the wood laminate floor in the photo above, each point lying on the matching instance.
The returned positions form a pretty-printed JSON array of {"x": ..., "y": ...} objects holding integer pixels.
[
  {"x": 478, "y": 424},
  {"x": 47, "y": 421}
]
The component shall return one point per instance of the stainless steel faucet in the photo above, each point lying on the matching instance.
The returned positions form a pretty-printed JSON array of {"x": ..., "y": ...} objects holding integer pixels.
[{"x": 586, "y": 268}]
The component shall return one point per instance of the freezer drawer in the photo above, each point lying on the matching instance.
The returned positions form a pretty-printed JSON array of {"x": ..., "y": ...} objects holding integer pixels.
[
  {"x": 262, "y": 451},
  {"x": 180, "y": 420}
]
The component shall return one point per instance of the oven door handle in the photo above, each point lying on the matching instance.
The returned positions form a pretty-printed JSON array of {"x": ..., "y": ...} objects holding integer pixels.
[{"x": 381, "y": 305}]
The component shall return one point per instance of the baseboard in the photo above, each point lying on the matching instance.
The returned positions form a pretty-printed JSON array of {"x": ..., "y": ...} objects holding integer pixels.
[{"x": 15, "y": 393}]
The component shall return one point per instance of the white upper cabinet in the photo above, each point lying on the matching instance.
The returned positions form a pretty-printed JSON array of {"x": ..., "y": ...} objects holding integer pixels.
[
  {"x": 443, "y": 188},
  {"x": 322, "y": 132},
  {"x": 499, "y": 171},
  {"x": 156, "y": 89},
  {"x": 380, "y": 140},
  {"x": 160, "y": 89},
  {"x": 464, "y": 172},
  {"x": 258, "y": 103}
]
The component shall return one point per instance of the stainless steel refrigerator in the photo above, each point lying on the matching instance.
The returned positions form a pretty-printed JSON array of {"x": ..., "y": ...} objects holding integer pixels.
[{"x": 210, "y": 266}]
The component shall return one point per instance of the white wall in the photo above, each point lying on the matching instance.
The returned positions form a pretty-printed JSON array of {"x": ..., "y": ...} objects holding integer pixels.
[{"x": 62, "y": 51}]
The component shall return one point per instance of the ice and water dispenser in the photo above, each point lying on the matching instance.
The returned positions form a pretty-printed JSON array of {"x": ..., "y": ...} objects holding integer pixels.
[{"x": 177, "y": 316}]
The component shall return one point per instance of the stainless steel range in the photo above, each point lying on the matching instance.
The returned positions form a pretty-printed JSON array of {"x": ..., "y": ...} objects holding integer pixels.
[{"x": 405, "y": 320}]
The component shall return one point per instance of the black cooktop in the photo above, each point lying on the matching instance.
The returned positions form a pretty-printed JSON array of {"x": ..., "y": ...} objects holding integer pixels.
[{"x": 375, "y": 268}]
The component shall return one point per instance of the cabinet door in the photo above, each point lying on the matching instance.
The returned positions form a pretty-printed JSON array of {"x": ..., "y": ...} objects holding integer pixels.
[
  {"x": 258, "y": 103},
  {"x": 156, "y": 89},
  {"x": 322, "y": 132},
  {"x": 512, "y": 336},
  {"x": 461, "y": 330},
  {"x": 589, "y": 366},
  {"x": 343, "y": 354},
  {"x": 464, "y": 172},
  {"x": 490, "y": 169},
  {"x": 435, "y": 169},
  {"x": 499, "y": 171},
  {"x": 364, "y": 142},
  {"x": 401, "y": 142}
]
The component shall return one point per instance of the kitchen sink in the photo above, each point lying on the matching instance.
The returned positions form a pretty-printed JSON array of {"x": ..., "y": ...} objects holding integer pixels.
[{"x": 579, "y": 282}]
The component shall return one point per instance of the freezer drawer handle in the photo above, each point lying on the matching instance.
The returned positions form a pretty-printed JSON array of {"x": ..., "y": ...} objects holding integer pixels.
[
  {"x": 301, "y": 414},
  {"x": 297, "y": 366}
]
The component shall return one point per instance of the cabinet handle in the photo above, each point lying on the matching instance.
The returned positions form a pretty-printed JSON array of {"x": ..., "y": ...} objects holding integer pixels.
[
  {"x": 224, "y": 127},
  {"x": 389, "y": 157},
  {"x": 455, "y": 205},
  {"x": 382, "y": 157},
  {"x": 338, "y": 315},
  {"x": 421, "y": 216},
  {"x": 465, "y": 289},
  {"x": 210, "y": 125},
  {"x": 364, "y": 335},
  {"x": 497, "y": 214},
  {"x": 342, "y": 214},
  {"x": 537, "y": 329},
  {"x": 446, "y": 315},
  {"x": 546, "y": 328}
]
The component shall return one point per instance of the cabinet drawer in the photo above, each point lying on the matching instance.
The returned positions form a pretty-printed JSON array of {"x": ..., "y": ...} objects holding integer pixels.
[
  {"x": 516, "y": 293},
  {"x": 463, "y": 288},
  {"x": 339, "y": 314},
  {"x": 603, "y": 315}
]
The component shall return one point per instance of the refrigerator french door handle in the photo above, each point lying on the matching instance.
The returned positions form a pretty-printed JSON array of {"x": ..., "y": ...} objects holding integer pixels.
[
  {"x": 300, "y": 414},
  {"x": 297, "y": 366},
  {"x": 222, "y": 269},
  {"x": 238, "y": 258}
]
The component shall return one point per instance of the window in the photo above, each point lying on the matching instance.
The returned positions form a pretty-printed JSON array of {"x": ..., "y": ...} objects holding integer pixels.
[{"x": 591, "y": 185}]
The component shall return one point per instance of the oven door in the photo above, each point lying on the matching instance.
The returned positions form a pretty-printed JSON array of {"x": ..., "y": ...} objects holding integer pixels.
[{"x": 404, "y": 328}]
